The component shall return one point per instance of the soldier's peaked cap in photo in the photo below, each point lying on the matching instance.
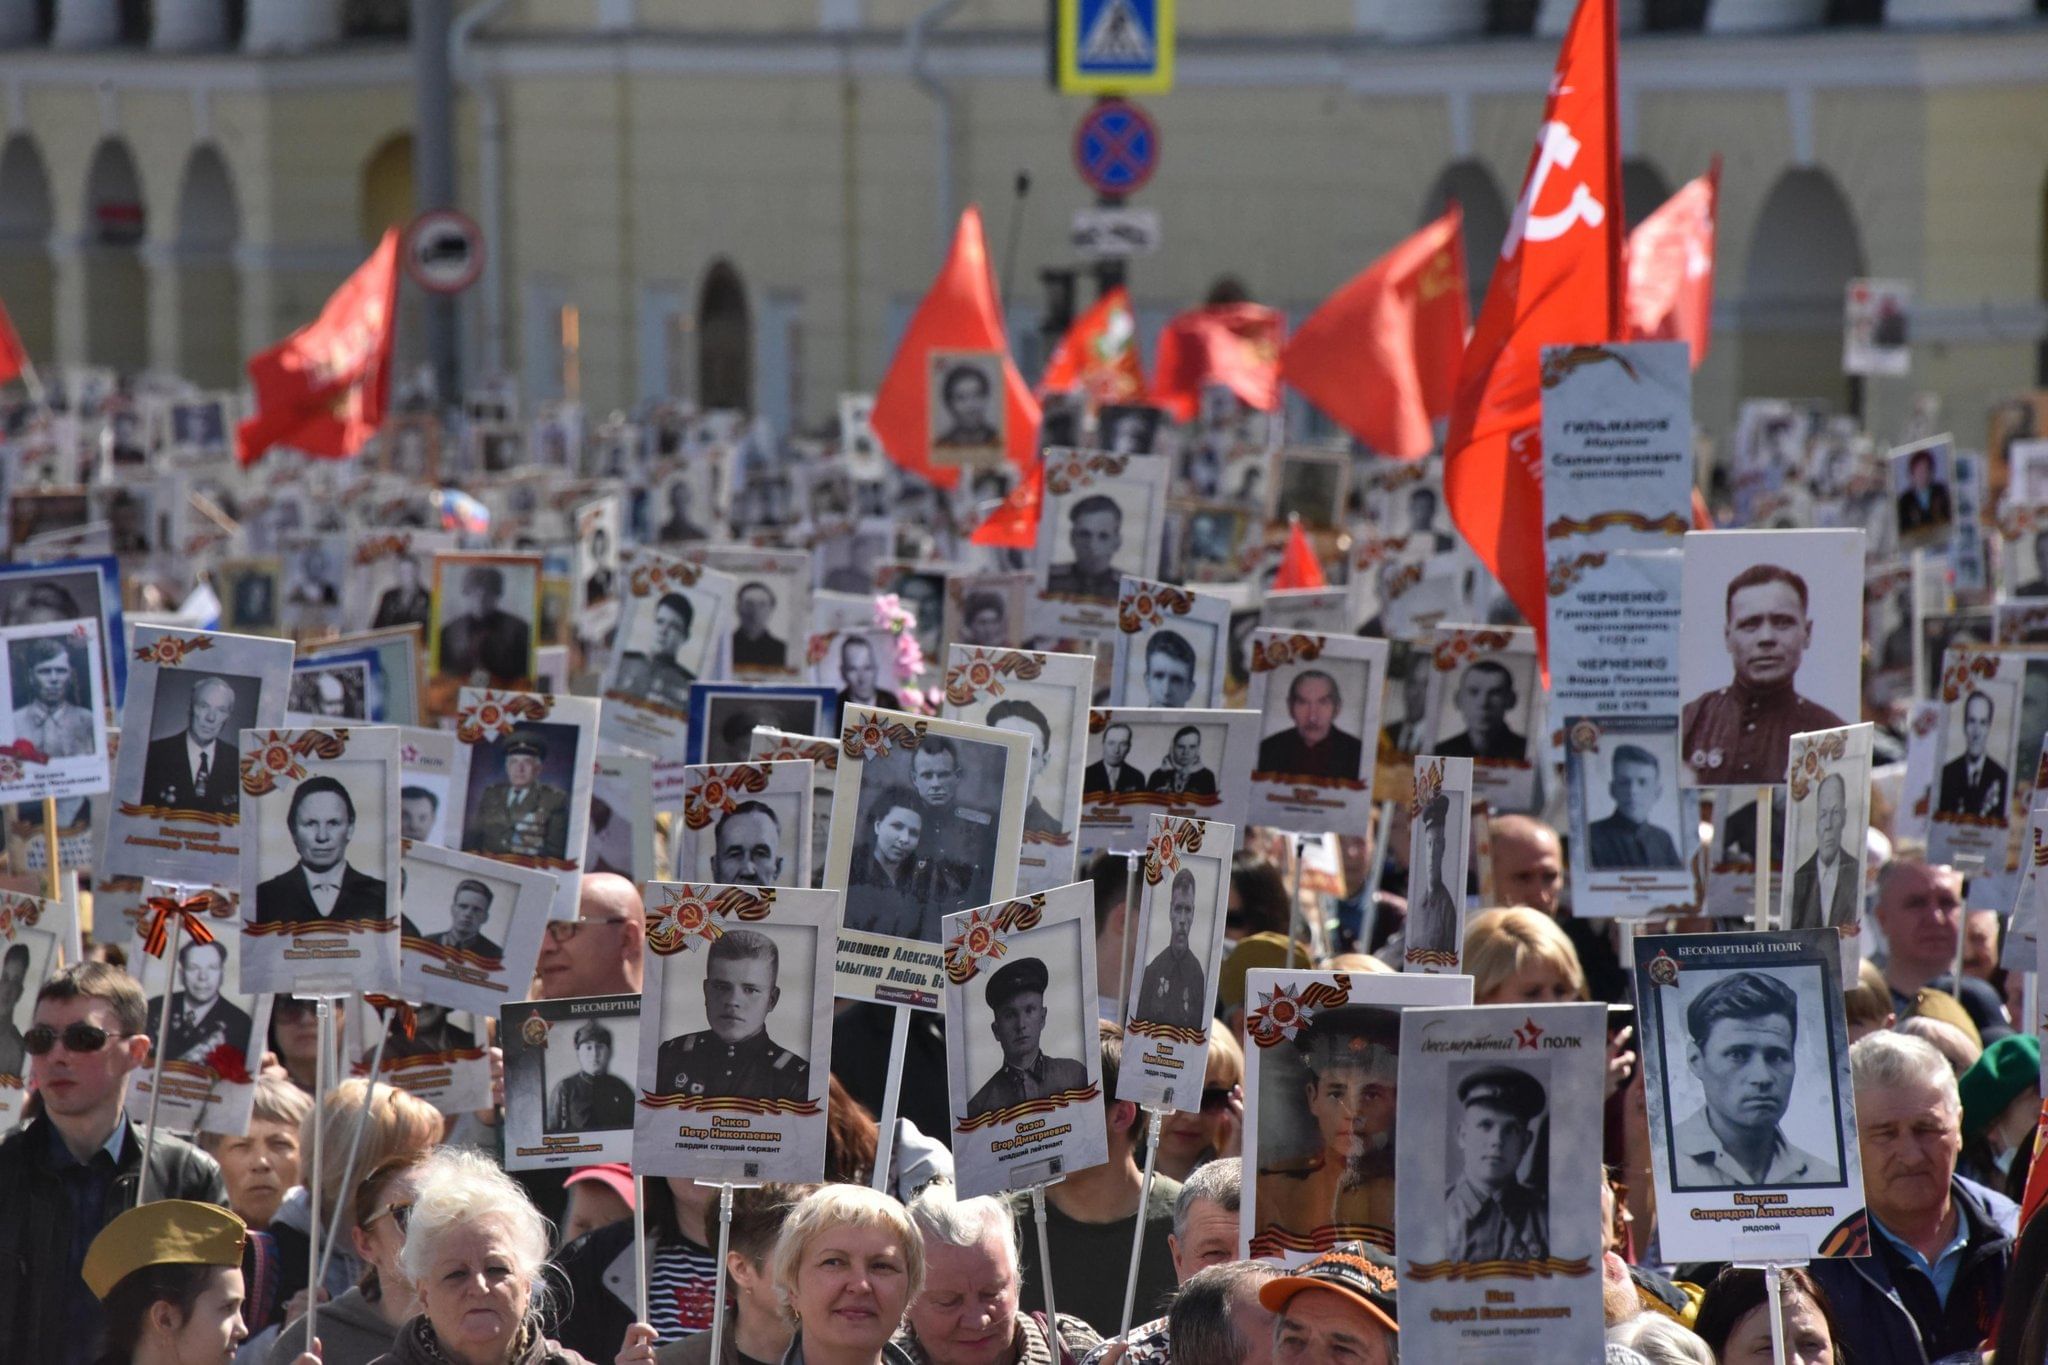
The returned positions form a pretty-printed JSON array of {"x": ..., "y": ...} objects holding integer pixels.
[
  {"x": 1506, "y": 1089},
  {"x": 526, "y": 744},
  {"x": 1364, "y": 1036},
  {"x": 1025, "y": 976}
]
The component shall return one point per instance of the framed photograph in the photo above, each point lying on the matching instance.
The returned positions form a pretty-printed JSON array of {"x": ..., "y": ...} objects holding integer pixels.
[
  {"x": 771, "y": 609},
  {"x": 775, "y": 746},
  {"x": 471, "y": 927},
  {"x": 1888, "y": 633},
  {"x": 921, "y": 590},
  {"x": 313, "y": 574},
  {"x": 1024, "y": 1067},
  {"x": 1732, "y": 854},
  {"x": 177, "y": 781},
  {"x": 1439, "y": 843},
  {"x": 1922, "y": 480},
  {"x": 249, "y": 591},
  {"x": 2020, "y": 623},
  {"x": 745, "y": 824},
  {"x": 30, "y": 949},
  {"x": 1829, "y": 788},
  {"x": 738, "y": 997},
  {"x": 987, "y": 611},
  {"x": 1500, "y": 1180},
  {"x": 1043, "y": 697},
  {"x": 1306, "y": 611},
  {"x": 622, "y": 834},
  {"x": 482, "y": 623},
  {"x": 426, "y": 759},
  {"x": 444, "y": 1061},
  {"x": 215, "y": 1038},
  {"x": 1169, "y": 646},
  {"x": 1209, "y": 540},
  {"x": 1941, "y": 629},
  {"x": 672, "y": 617},
  {"x": 597, "y": 566},
  {"x": 390, "y": 578},
  {"x": 397, "y": 673},
  {"x": 569, "y": 1070},
  {"x": 967, "y": 407},
  {"x": 1875, "y": 328},
  {"x": 685, "y": 510},
  {"x": 928, "y": 820},
  {"x": 1318, "y": 701},
  {"x": 71, "y": 590},
  {"x": 1129, "y": 428},
  {"x": 521, "y": 779},
  {"x": 1314, "y": 485},
  {"x": 1484, "y": 687},
  {"x": 1634, "y": 830},
  {"x": 331, "y": 689},
  {"x": 320, "y": 864},
  {"x": 1729, "y": 1026},
  {"x": 1787, "y": 615},
  {"x": 411, "y": 446},
  {"x": 1322, "y": 1094},
  {"x": 1977, "y": 764},
  {"x": 1104, "y": 517},
  {"x": 1170, "y": 1000},
  {"x": 860, "y": 663},
  {"x": 200, "y": 425},
  {"x": 55, "y": 734},
  {"x": 723, "y": 716},
  {"x": 1145, "y": 761}
]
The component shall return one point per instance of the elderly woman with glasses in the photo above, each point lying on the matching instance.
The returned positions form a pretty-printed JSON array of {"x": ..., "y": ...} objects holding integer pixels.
[
  {"x": 362, "y": 1325},
  {"x": 846, "y": 1267},
  {"x": 474, "y": 1251}
]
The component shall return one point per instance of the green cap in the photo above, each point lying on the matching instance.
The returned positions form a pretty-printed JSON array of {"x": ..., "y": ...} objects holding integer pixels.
[{"x": 2009, "y": 1068}]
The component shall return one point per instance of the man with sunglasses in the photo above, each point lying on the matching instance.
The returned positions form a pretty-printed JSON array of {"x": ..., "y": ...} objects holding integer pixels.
[{"x": 77, "y": 1164}]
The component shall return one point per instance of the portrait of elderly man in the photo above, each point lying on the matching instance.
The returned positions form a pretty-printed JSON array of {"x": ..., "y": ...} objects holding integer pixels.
[
  {"x": 1314, "y": 746},
  {"x": 1625, "y": 839},
  {"x": 1169, "y": 669},
  {"x": 1183, "y": 772},
  {"x": 592, "y": 1099},
  {"x": 202, "y": 1019},
  {"x": 734, "y": 1056},
  {"x": 321, "y": 885},
  {"x": 1492, "y": 1215},
  {"x": 485, "y": 638},
  {"x": 1742, "y": 1035},
  {"x": 1016, "y": 1001},
  {"x": 1824, "y": 886},
  {"x": 753, "y": 646},
  {"x": 1095, "y": 529},
  {"x": 1172, "y": 990},
  {"x": 1740, "y": 734},
  {"x": 859, "y": 672},
  {"x": 1111, "y": 772},
  {"x": 968, "y": 398},
  {"x": 654, "y": 674},
  {"x": 469, "y": 910},
  {"x": 522, "y": 816},
  {"x": 746, "y": 846},
  {"x": 1484, "y": 699},
  {"x": 1020, "y": 717},
  {"x": 1973, "y": 783},
  {"x": 52, "y": 719},
  {"x": 1351, "y": 1054},
  {"x": 322, "y": 693},
  {"x": 199, "y": 768}
]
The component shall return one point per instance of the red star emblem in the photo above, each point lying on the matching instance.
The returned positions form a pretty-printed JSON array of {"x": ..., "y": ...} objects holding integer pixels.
[{"x": 1528, "y": 1033}]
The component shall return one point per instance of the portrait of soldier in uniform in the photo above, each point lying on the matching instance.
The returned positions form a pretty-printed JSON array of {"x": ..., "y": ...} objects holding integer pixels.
[
  {"x": 1741, "y": 1036},
  {"x": 434, "y": 1033},
  {"x": 198, "y": 768},
  {"x": 735, "y": 1056},
  {"x": 1352, "y": 1054},
  {"x": 522, "y": 815},
  {"x": 1172, "y": 989},
  {"x": 958, "y": 837},
  {"x": 202, "y": 1019},
  {"x": 752, "y": 644},
  {"x": 1314, "y": 746},
  {"x": 1095, "y": 529},
  {"x": 1824, "y": 887},
  {"x": 1973, "y": 783},
  {"x": 1433, "y": 920},
  {"x": 1111, "y": 772},
  {"x": 469, "y": 910},
  {"x": 1183, "y": 771},
  {"x": 746, "y": 846},
  {"x": 51, "y": 719},
  {"x": 1169, "y": 669},
  {"x": 1484, "y": 699},
  {"x": 1022, "y": 718},
  {"x": 654, "y": 674},
  {"x": 1739, "y": 735},
  {"x": 1625, "y": 839},
  {"x": 1016, "y": 1002},
  {"x": 592, "y": 1099},
  {"x": 485, "y": 638},
  {"x": 1491, "y": 1214},
  {"x": 322, "y": 885}
]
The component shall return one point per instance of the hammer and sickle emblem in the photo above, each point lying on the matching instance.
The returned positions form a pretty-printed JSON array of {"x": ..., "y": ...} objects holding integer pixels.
[{"x": 1555, "y": 147}]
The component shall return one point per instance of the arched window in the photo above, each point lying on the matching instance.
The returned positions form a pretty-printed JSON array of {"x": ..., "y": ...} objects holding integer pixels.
[
  {"x": 209, "y": 287},
  {"x": 1804, "y": 251},
  {"x": 725, "y": 342},
  {"x": 1486, "y": 220},
  {"x": 1643, "y": 190},
  {"x": 116, "y": 286}
]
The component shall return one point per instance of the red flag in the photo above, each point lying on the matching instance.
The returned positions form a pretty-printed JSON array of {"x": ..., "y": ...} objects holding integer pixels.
[
  {"x": 1381, "y": 355},
  {"x": 1702, "y": 518},
  {"x": 1670, "y": 268},
  {"x": 1299, "y": 567},
  {"x": 959, "y": 313},
  {"x": 1013, "y": 523},
  {"x": 13, "y": 355},
  {"x": 1236, "y": 345},
  {"x": 325, "y": 388},
  {"x": 1558, "y": 282},
  {"x": 1099, "y": 354}
]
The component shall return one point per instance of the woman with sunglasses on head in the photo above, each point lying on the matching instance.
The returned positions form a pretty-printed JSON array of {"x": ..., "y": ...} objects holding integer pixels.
[
  {"x": 77, "y": 1162},
  {"x": 363, "y": 1324}
]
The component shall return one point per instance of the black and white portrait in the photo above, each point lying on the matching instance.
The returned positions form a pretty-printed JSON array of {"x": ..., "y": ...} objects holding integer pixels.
[
  {"x": 861, "y": 664},
  {"x": 203, "y": 1015},
  {"x": 585, "y": 1091},
  {"x": 485, "y": 611},
  {"x": 1639, "y": 827},
  {"x": 1129, "y": 428},
  {"x": 249, "y": 591},
  {"x": 333, "y": 691},
  {"x": 966, "y": 407},
  {"x": 1315, "y": 720},
  {"x": 1979, "y": 740},
  {"x": 1484, "y": 709},
  {"x": 193, "y": 761},
  {"x": 730, "y": 712},
  {"x": 325, "y": 849},
  {"x": 313, "y": 570},
  {"x": 662, "y": 649},
  {"x": 1497, "y": 1201},
  {"x": 472, "y": 927},
  {"x": 925, "y": 830},
  {"x": 1038, "y": 1048},
  {"x": 1312, "y": 486},
  {"x": 727, "y": 1031},
  {"x": 1830, "y": 795},
  {"x": 986, "y": 611},
  {"x": 51, "y": 692},
  {"x": 1439, "y": 842},
  {"x": 756, "y": 825}
]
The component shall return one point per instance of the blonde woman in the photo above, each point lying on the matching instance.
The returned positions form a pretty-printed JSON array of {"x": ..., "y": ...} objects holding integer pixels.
[
  {"x": 846, "y": 1267},
  {"x": 1518, "y": 956}
]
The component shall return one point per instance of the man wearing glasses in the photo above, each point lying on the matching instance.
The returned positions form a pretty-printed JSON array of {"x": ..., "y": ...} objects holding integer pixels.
[
  {"x": 69, "y": 1171},
  {"x": 598, "y": 952}
]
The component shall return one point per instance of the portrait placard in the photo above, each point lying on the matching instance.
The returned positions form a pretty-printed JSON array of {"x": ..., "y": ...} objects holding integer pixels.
[
  {"x": 823, "y": 755},
  {"x": 219, "y": 1024},
  {"x": 771, "y": 611},
  {"x": 1786, "y": 656},
  {"x": 569, "y": 1099},
  {"x": 1209, "y": 542},
  {"x": 622, "y": 834},
  {"x": 988, "y": 611},
  {"x": 745, "y": 824},
  {"x": 966, "y": 407},
  {"x": 177, "y": 781},
  {"x": 313, "y": 570},
  {"x": 1977, "y": 768},
  {"x": 596, "y": 570},
  {"x": 1168, "y": 650},
  {"x": 1730, "y": 1025},
  {"x": 1732, "y": 855},
  {"x": 928, "y": 820},
  {"x": 433, "y": 1053},
  {"x": 1614, "y": 633},
  {"x": 738, "y": 997},
  {"x": 320, "y": 860},
  {"x": 396, "y": 673},
  {"x": 1617, "y": 444},
  {"x": 1923, "y": 477},
  {"x": 1634, "y": 830},
  {"x": 1439, "y": 850},
  {"x": 336, "y": 688},
  {"x": 1171, "y": 1000},
  {"x": 1146, "y": 761},
  {"x": 724, "y": 716},
  {"x": 1313, "y": 485},
  {"x": 519, "y": 785},
  {"x": 1043, "y": 697},
  {"x": 1875, "y": 327},
  {"x": 390, "y": 579},
  {"x": 1828, "y": 785},
  {"x": 249, "y": 591},
  {"x": 471, "y": 927},
  {"x": 426, "y": 758},
  {"x": 1497, "y": 1210},
  {"x": 53, "y": 713},
  {"x": 1023, "y": 1065},
  {"x": 1483, "y": 691},
  {"x": 483, "y": 624},
  {"x": 859, "y": 662},
  {"x": 1318, "y": 700},
  {"x": 1104, "y": 516},
  {"x": 1322, "y": 1055},
  {"x": 1306, "y": 611},
  {"x": 34, "y": 947}
]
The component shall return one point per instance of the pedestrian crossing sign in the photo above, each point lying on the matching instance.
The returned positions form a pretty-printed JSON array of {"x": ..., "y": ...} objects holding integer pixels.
[{"x": 1114, "y": 46}]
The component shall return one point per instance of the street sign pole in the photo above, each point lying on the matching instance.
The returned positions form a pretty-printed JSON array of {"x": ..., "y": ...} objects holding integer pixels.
[{"x": 434, "y": 176}]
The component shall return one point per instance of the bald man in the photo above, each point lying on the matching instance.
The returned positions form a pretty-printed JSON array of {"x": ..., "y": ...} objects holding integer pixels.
[
  {"x": 598, "y": 952},
  {"x": 1528, "y": 863}
]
